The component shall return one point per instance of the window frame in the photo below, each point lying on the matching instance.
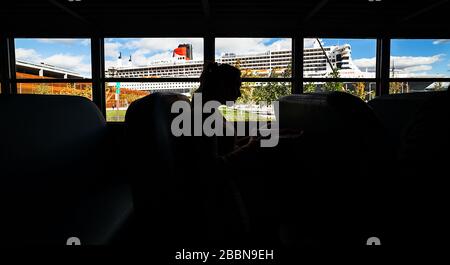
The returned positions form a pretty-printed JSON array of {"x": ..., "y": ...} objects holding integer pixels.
[
  {"x": 98, "y": 79},
  {"x": 11, "y": 80},
  {"x": 376, "y": 79},
  {"x": 409, "y": 79}
]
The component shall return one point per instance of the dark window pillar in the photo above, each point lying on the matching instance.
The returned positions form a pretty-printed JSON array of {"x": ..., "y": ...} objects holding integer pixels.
[
  {"x": 98, "y": 73},
  {"x": 382, "y": 65},
  {"x": 297, "y": 64}
]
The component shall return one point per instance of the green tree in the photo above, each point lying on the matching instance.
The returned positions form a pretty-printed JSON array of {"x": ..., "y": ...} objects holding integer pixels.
[
  {"x": 246, "y": 94},
  {"x": 272, "y": 91},
  {"x": 334, "y": 86},
  {"x": 267, "y": 92},
  {"x": 309, "y": 88},
  {"x": 43, "y": 89},
  {"x": 359, "y": 90},
  {"x": 395, "y": 88}
]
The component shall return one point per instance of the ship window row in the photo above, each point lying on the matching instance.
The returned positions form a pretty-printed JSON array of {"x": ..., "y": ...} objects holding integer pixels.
[
  {"x": 315, "y": 58},
  {"x": 263, "y": 65},
  {"x": 315, "y": 68},
  {"x": 255, "y": 58},
  {"x": 313, "y": 65},
  {"x": 260, "y": 62},
  {"x": 314, "y": 54},
  {"x": 317, "y": 49},
  {"x": 267, "y": 59},
  {"x": 157, "y": 72},
  {"x": 156, "y": 85},
  {"x": 258, "y": 58},
  {"x": 163, "y": 69},
  {"x": 185, "y": 90}
]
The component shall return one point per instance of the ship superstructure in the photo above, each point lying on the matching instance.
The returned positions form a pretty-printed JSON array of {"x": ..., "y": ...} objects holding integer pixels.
[{"x": 266, "y": 64}]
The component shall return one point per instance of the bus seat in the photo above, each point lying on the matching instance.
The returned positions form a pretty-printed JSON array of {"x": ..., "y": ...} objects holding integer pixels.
[
  {"x": 335, "y": 119},
  {"x": 181, "y": 201},
  {"x": 54, "y": 182},
  {"x": 396, "y": 111},
  {"x": 160, "y": 199},
  {"x": 341, "y": 141}
]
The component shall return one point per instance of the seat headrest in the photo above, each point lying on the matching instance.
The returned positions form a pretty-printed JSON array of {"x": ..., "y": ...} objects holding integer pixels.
[
  {"x": 150, "y": 118},
  {"x": 337, "y": 124},
  {"x": 46, "y": 131},
  {"x": 153, "y": 111},
  {"x": 323, "y": 112},
  {"x": 396, "y": 111}
]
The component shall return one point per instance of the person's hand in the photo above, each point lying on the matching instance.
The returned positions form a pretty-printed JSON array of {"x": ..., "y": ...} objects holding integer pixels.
[{"x": 288, "y": 133}]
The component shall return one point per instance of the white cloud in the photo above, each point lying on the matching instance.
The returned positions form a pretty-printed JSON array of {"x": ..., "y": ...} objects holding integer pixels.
[
  {"x": 67, "y": 61},
  {"x": 147, "y": 50},
  {"x": 410, "y": 61},
  {"x": 409, "y": 65},
  {"x": 64, "y": 41},
  {"x": 309, "y": 43},
  {"x": 27, "y": 55},
  {"x": 74, "y": 63},
  {"x": 283, "y": 44},
  {"x": 110, "y": 64},
  {"x": 151, "y": 46},
  {"x": 441, "y": 41},
  {"x": 250, "y": 45},
  {"x": 418, "y": 68},
  {"x": 139, "y": 57},
  {"x": 86, "y": 42},
  {"x": 422, "y": 74},
  {"x": 366, "y": 63},
  {"x": 112, "y": 49}
]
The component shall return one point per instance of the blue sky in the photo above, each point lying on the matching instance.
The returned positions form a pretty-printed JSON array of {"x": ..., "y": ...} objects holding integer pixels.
[
  {"x": 144, "y": 51},
  {"x": 72, "y": 54},
  {"x": 361, "y": 48},
  {"x": 410, "y": 57},
  {"x": 439, "y": 50}
]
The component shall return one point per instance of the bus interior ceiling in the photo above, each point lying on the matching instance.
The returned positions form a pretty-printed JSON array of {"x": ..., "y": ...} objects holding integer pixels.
[
  {"x": 351, "y": 18},
  {"x": 358, "y": 168}
]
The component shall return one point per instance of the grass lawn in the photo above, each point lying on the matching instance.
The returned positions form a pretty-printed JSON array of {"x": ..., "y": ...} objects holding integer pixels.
[
  {"x": 240, "y": 115},
  {"x": 115, "y": 115},
  {"x": 229, "y": 114}
]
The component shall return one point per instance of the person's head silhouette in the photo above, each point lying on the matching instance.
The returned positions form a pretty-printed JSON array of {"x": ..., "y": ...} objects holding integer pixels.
[{"x": 220, "y": 82}]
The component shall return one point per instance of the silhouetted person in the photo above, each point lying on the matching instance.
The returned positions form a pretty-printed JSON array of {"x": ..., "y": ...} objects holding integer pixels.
[
  {"x": 222, "y": 83},
  {"x": 211, "y": 184}
]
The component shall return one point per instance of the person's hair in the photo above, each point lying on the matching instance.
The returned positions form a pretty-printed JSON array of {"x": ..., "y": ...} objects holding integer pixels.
[{"x": 220, "y": 82}]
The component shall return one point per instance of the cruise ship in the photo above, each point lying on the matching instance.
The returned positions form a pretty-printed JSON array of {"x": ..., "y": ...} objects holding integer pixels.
[{"x": 183, "y": 65}]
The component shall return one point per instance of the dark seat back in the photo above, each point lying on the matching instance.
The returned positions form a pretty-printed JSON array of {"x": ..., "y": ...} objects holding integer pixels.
[
  {"x": 340, "y": 122},
  {"x": 53, "y": 180},
  {"x": 335, "y": 160},
  {"x": 179, "y": 197},
  {"x": 397, "y": 111},
  {"x": 419, "y": 124},
  {"x": 426, "y": 137},
  {"x": 161, "y": 167}
]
